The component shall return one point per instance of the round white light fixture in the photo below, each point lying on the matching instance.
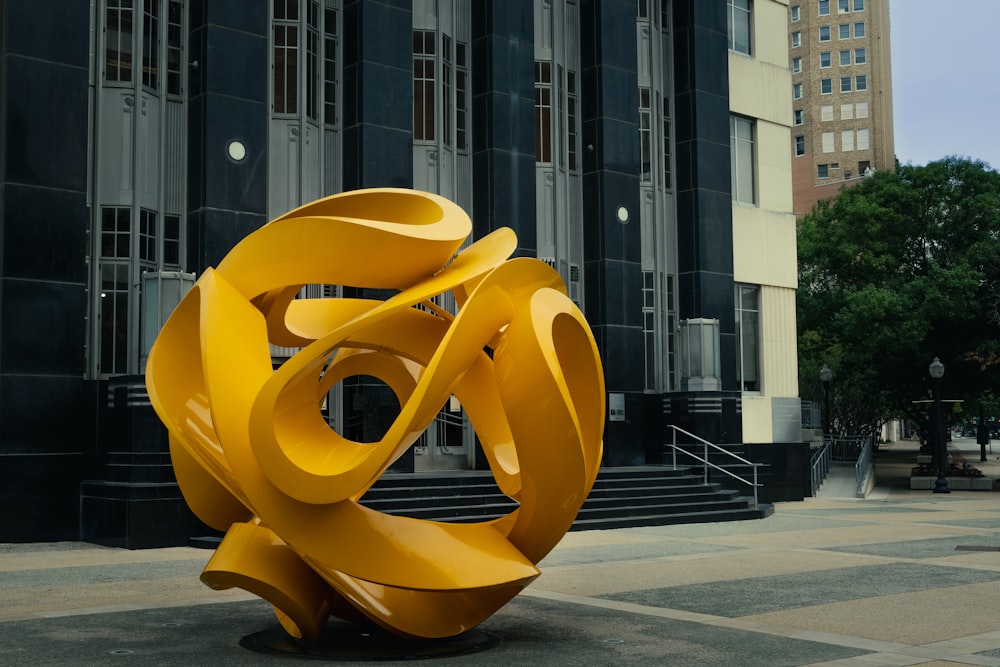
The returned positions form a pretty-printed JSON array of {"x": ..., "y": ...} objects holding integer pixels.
[
  {"x": 237, "y": 151},
  {"x": 622, "y": 214}
]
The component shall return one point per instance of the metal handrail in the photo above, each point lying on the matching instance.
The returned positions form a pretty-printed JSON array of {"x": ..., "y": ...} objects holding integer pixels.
[
  {"x": 705, "y": 445},
  {"x": 846, "y": 448},
  {"x": 866, "y": 460},
  {"x": 821, "y": 460}
]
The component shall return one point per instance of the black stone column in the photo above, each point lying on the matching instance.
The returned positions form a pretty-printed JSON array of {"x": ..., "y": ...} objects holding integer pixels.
[
  {"x": 378, "y": 94},
  {"x": 227, "y": 101},
  {"x": 612, "y": 258},
  {"x": 704, "y": 207},
  {"x": 378, "y": 152},
  {"x": 503, "y": 131},
  {"x": 47, "y": 410}
]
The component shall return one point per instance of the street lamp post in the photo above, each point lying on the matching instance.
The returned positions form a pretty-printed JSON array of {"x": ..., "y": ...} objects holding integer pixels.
[
  {"x": 825, "y": 375},
  {"x": 936, "y": 369}
]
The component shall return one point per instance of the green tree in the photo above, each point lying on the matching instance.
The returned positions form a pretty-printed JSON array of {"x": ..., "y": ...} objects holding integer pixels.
[{"x": 893, "y": 272}]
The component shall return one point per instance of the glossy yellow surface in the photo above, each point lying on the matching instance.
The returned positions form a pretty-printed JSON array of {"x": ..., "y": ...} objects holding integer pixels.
[{"x": 254, "y": 456}]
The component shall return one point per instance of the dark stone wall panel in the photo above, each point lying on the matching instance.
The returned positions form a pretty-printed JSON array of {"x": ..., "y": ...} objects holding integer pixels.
[
  {"x": 42, "y": 415},
  {"x": 44, "y": 236},
  {"x": 43, "y": 327},
  {"x": 46, "y": 124},
  {"x": 235, "y": 62},
  {"x": 40, "y": 496},
  {"x": 36, "y": 31}
]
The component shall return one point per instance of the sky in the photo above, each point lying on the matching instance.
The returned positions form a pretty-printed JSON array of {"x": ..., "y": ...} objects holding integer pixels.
[{"x": 945, "y": 79}]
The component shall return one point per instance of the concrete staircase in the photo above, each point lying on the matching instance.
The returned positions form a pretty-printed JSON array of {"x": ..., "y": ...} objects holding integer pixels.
[{"x": 621, "y": 497}]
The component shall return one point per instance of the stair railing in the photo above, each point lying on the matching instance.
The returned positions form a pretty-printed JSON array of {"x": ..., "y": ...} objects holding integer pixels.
[
  {"x": 864, "y": 467},
  {"x": 708, "y": 464},
  {"x": 821, "y": 460}
]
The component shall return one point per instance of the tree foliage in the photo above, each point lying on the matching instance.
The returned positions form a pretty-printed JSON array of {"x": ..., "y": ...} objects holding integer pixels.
[{"x": 893, "y": 272}]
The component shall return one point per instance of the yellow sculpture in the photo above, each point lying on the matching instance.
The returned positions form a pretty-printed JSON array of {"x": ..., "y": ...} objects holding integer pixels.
[{"x": 254, "y": 456}]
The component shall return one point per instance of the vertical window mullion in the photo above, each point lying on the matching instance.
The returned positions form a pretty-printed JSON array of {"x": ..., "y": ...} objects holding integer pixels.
[
  {"x": 312, "y": 60},
  {"x": 286, "y": 54},
  {"x": 645, "y": 138},
  {"x": 543, "y": 112},
  {"x": 150, "y": 44},
  {"x": 446, "y": 99},
  {"x": 423, "y": 85},
  {"x": 461, "y": 97},
  {"x": 330, "y": 44},
  {"x": 571, "y": 104},
  {"x": 174, "y": 46},
  {"x": 118, "y": 37}
]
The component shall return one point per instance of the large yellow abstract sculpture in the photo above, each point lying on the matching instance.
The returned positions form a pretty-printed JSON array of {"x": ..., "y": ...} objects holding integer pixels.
[{"x": 254, "y": 456}]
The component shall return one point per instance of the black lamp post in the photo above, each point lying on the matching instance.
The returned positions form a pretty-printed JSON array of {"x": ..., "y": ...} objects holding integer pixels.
[
  {"x": 936, "y": 370},
  {"x": 825, "y": 375}
]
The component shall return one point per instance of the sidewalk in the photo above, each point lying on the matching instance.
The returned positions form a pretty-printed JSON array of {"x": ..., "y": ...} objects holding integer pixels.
[{"x": 900, "y": 578}]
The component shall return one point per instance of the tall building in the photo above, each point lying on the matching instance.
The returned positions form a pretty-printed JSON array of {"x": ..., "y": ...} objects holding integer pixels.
[
  {"x": 142, "y": 140},
  {"x": 841, "y": 95}
]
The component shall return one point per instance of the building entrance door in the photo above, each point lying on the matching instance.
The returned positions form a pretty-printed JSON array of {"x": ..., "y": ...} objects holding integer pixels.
[{"x": 447, "y": 444}]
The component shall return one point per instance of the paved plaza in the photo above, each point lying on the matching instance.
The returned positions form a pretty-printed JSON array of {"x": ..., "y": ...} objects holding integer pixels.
[{"x": 899, "y": 578}]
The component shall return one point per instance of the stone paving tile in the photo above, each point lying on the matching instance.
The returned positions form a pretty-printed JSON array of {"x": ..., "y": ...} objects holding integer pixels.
[
  {"x": 917, "y": 618},
  {"x": 776, "y": 523},
  {"x": 877, "y": 510},
  {"x": 94, "y": 574},
  {"x": 619, "y": 577},
  {"x": 532, "y": 632},
  {"x": 628, "y": 551},
  {"x": 760, "y": 595},
  {"x": 859, "y": 533},
  {"x": 991, "y": 523},
  {"x": 79, "y": 554},
  {"x": 922, "y": 548}
]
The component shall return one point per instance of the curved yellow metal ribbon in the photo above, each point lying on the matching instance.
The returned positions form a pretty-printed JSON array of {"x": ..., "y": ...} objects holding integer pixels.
[{"x": 254, "y": 456}]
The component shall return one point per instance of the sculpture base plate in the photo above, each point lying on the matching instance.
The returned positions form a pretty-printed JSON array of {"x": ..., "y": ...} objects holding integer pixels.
[{"x": 350, "y": 642}]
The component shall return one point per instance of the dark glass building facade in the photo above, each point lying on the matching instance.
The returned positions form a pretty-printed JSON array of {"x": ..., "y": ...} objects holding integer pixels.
[{"x": 139, "y": 141}]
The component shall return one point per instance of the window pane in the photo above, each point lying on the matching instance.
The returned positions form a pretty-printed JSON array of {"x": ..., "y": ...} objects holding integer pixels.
[
  {"x": 748, "y": 336},
  {"x": 150, "y": 43},
  {"x": 742, "y": 159},
  {"x": 118, "y": 41},
  {"x": 543, "y": 112},
  {"x": 423, "y": 85},
  {"x": 738, "y": 25},
  {"x": 863, "y": 143},
  {"x": 847, "y": 140}
]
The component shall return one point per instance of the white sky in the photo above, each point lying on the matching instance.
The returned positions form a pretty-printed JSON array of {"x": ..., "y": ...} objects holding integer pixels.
[{"x": 945, "y": 79}]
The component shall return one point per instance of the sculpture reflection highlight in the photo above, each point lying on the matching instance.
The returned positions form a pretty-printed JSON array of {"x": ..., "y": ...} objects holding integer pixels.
[{"x": 254, "y": 456}]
